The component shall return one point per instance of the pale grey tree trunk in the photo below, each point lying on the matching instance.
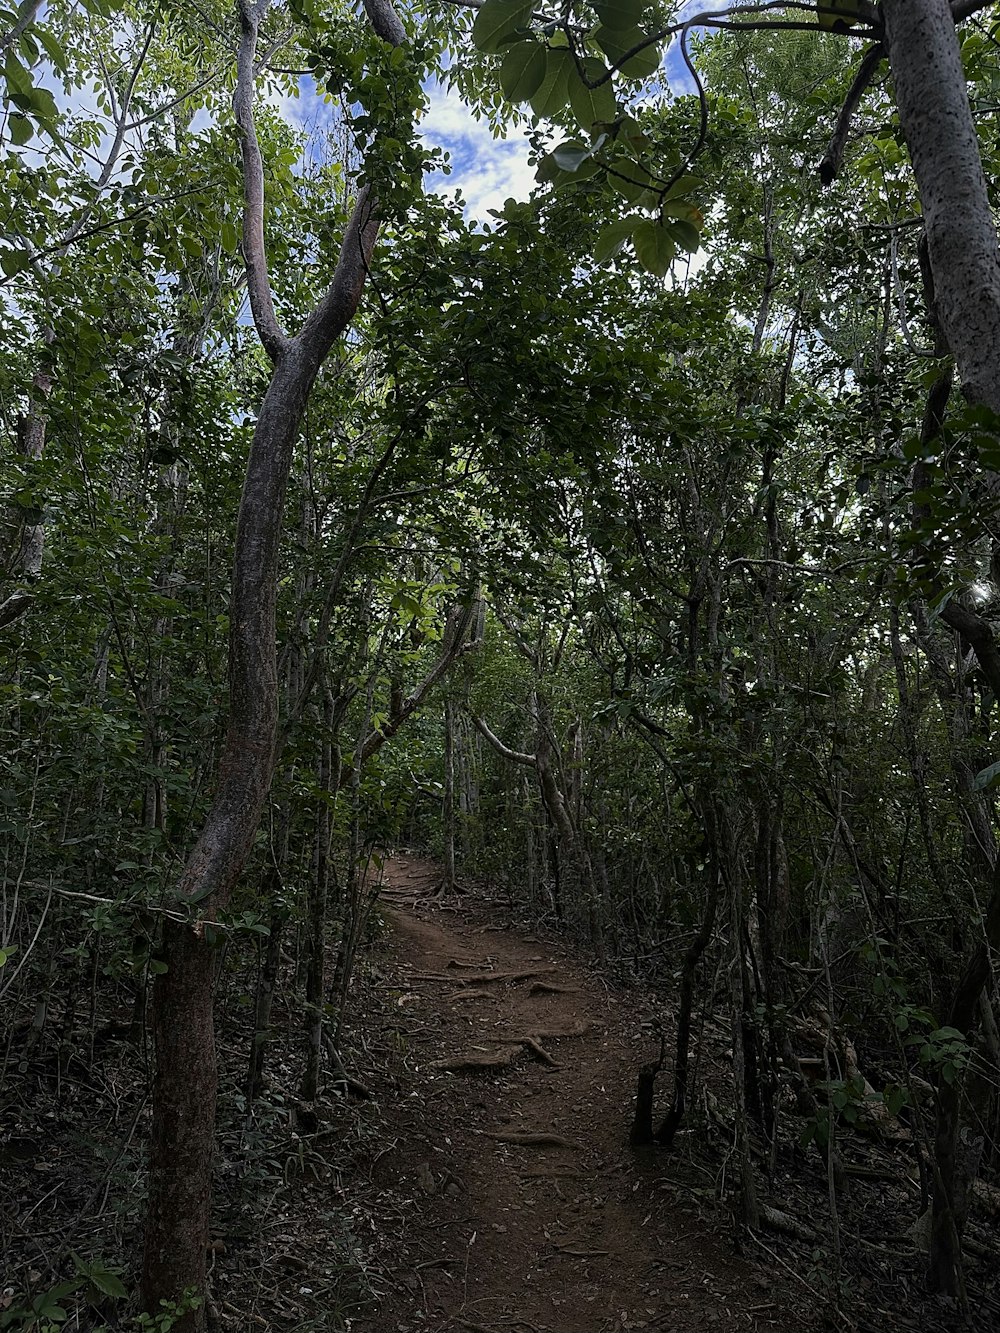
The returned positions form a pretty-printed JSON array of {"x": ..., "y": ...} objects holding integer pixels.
[{"x": 936, "y": 117}]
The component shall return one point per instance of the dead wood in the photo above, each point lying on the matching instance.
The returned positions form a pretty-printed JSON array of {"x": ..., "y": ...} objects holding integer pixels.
[
  {"x": 786, "y": 1224},
  {"x": 470, "y": 995},
  {"x": 537, "y": 1139},
  {"x": 549, "y": 988}
]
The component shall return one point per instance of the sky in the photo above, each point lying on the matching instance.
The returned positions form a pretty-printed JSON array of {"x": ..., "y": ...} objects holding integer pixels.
[{"x": 489, "y": 170}]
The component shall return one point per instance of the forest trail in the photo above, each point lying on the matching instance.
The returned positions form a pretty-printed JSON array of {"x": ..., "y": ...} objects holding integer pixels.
[{"x": 508, "y": 1195}]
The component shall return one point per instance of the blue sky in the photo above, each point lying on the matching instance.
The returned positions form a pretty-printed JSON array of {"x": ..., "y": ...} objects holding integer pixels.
[{"x": 489, "y": 170}]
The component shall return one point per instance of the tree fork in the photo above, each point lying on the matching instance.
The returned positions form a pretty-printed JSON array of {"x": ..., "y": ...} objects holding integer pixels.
[{"x": 186, "y": 1079}]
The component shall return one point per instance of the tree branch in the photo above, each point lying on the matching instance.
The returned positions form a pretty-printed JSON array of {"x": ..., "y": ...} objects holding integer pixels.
[
  {"x": 829, "y": 168},
  {"x": 274, "y": 340},
  {"x": 978, "y": 634},
  {"x": 515, "y": 756},
  {"x": 26, "y": 15},
  {"x": 452, "y": 647}
]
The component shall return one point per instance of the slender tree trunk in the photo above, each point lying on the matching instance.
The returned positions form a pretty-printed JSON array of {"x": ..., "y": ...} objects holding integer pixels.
[
  {"x": 185, "y": 1083},
  {"x": 316, "y": 943},
  {"x": 448, "y": 799}
]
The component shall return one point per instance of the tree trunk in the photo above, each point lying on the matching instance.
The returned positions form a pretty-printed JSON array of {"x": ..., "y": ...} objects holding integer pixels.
[
  {"x": 184, "y": 1090},
  {"x": 934, "y": 111},
  {"x": 448, "y": 799},
  {"x": 316, "y": 940}
]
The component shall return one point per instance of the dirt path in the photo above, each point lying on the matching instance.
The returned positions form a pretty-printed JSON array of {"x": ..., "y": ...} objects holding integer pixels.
[{"x": 510, "y": 1199}]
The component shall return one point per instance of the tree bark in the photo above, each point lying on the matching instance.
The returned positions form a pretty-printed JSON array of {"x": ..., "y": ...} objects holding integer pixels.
[
  {"x": 186, "y": 1079},
  {"x": 936, "y": 117}
]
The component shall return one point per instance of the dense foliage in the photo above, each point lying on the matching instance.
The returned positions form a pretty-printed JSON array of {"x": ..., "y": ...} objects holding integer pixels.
[{"x": 634, "y": 556}]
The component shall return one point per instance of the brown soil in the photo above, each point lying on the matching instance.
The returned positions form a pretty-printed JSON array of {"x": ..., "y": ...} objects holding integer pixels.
[{"x": 509, "y": 1197}]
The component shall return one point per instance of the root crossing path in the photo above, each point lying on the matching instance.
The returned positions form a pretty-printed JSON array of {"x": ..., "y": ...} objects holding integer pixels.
[{"x": 508, "y": 1197}]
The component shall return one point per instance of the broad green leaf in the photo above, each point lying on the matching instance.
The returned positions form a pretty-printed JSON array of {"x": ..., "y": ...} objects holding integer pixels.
[
  {"x": 522, "y": 71},
  {"x": 629, "y": 179},
  {"x": 571, "y": 155},
  {"x": 18, "y": 78},
  {"x": 53, "y": 48},
  {"x": 987, "y": 777},
  {"x": 683, "y": 186},
  {"x": 612, "y": 238},
  {"x": 591, "y": 105},
  {"x": 550, "y": 172},
  {"x": 685, "y": 235},
  {"x": 615, "y": 43},
  {"x": 21, "y": 128},
  {"x": 553, "y": 92},
  {"x": 42, "y": 105},
  {"x": 498, "y": 21},
  {"x": 620, "y": 14},
  {"x": 683, "y": 209},
  {"x": 653, "y": 247},
  {"x": 229, "y": 238},
  {"x": 13, "y": 261},
  {"x": 107, "y": 1282}
]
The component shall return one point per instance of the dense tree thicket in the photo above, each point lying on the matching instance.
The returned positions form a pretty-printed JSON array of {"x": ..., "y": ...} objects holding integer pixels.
[{"x": 635, "y": 551}]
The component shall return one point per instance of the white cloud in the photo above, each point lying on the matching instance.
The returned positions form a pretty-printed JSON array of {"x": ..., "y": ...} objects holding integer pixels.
[{"x": 487, "y": 170}]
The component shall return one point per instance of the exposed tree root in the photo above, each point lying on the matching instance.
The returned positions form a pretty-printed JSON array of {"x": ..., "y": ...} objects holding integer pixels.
[
  {"x": 539, "y": 1052},
  {"x": 483, "y": 978},
  {"x": 537, "y": 1139},
  {"x": 576, "y": 1029},
  {"x": 470, "y": 995},
  {"x": 549, "y": 988},
  {"x": 476, "y": 1062}
]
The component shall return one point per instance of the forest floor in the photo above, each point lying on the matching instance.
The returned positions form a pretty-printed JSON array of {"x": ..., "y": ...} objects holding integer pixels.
[
  {"x": 475, "y": 1176},
  {"x": 509, "y": 1198}
]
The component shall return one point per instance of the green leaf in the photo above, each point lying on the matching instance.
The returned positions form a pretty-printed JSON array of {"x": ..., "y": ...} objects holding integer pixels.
[
  {"x": 230, "y": 238},
  {"x": 683, "y": 186},
  {"x": 685, "y": 235},
  {"x": 522, "y": 71},
  {"x": 591, "y": 106},
  {"x": 13, "y": 261},
  {"x": 107, "y": 1282},
  {"x": 653, "y": 247},
  {"x": 615, "y": 43},
  {"x": 498, "y": 21},
  {"x": 553, "y": 92},
  {"x": 549, "y": 171},
  {"x": 987, "y": 778},
  {"x": 21, "y": 128},
  {"x": 620, "y": 14},
  {"x": 612, "y": 238},
  {"x": 571, "y": 155},
  {"x": 18, "y": 78},
  {"x": 629, "y": 179},
  {"x": 158, "y": 967}
]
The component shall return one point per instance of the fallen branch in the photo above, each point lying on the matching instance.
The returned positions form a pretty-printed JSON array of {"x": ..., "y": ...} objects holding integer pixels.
[
  {"x": 547, "y": 988},
  {"x": 786, "y": 1225}
]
